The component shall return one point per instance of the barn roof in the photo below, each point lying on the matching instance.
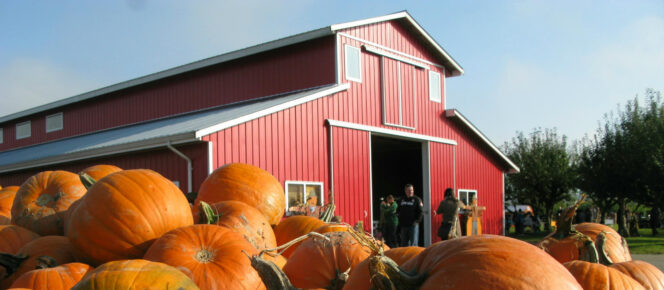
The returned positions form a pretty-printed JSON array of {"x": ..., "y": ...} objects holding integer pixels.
[
  {"x": 180, "y": 129},
  {"x": 403, "y": 17}
]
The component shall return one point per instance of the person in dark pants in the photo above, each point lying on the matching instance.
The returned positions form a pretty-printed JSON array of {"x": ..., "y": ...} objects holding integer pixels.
[
  {"x": 388, "y": 211},
  {"x": 410, "y": 215},
  {"x": 449, "y": 208}
]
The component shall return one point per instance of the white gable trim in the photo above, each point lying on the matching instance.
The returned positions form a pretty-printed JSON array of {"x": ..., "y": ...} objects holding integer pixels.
[{"x": 390, "y": 132}]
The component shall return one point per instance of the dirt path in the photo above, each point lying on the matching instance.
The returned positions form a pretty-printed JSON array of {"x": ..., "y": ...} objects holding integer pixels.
[{"x": 657, "y": 260}]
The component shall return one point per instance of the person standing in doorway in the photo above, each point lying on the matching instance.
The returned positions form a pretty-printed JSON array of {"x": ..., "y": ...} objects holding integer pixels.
[
  {"x": 410, "y": 215},
  {"x": 449, "y": 208},
  {"x": 388, "y": 211}
]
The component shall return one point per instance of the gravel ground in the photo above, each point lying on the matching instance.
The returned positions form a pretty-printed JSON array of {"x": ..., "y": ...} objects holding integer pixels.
[{"x": 657, "y": 260}]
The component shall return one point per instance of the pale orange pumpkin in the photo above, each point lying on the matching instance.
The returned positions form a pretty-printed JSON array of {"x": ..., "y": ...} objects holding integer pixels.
[
  {"x": 598, "y": 276},
  {"x": 91, "y": 174},
  {"x": 135, "y": 274}
]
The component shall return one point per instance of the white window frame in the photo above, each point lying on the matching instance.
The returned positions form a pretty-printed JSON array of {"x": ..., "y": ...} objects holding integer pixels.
[
  {"x": 304, "y": 184},
  {"x": 19, "y": 125},
  {"x": 55, "y": 117},
  {"x": 466, "y": 201},
  {"x": 347, "y": 49},
  {"x": 439, "y": 90},
  {"x": 2, "y": 135}
]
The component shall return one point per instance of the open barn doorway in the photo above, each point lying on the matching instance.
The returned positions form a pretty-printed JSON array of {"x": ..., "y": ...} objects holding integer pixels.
[{"x": 395, "y": 163}]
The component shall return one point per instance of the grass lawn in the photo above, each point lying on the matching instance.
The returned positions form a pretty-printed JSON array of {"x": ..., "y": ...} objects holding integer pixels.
[{"x": 645, "y": 244}]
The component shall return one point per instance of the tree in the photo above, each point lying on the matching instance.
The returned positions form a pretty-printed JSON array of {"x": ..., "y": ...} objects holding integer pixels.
[{"x": 546, "y": 176}]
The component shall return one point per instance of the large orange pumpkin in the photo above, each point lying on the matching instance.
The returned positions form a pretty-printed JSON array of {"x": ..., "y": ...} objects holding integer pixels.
[
  {"x": 45, "y": 277},
  {"x": 124, "y": 213},
  {"x": 27, "y": 259},
  {"x": 213, "y": 257},
  {"x": 7, "y": 195},
  {"x": 42, "y": 200},
  {"x": 598, "y": 276},
  {"x": 135, "y": 274},
  {"x": 294, "y": 227},
  {"x": 643, "y": 272},
  {"x": 93, "y": 173},
  {"x": 246, "y": 183},
  {"x": 360, "y": 277},
  {"x": 615, "y": 246}
]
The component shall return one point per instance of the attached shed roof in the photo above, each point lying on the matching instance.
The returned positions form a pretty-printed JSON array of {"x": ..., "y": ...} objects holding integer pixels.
[
  {"x": 450, "y": 64},
  {"x": 179, "y": 129}
]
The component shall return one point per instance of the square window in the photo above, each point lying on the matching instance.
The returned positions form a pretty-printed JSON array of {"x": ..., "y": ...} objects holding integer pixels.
[
  {"x": 353, "y": 63},
  {"x": 467, "y": 196},
  {"x": 23, "y": 130},
  {"x": 304, "y": 198},
  {"x": 434, "y": 87},
  {"x": 54, "y": 122}
]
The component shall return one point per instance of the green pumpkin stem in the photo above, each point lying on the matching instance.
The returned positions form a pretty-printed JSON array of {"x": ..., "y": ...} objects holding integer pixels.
[
  {"x": 588, "y": 252},
  {"x": 87, "y": 180},
  {"x": 387, "y": 275},
  {"x": 210, "y": 214},
  {"x": 273, "y": 277},
  {"x": 11, "y": 262},
  {"x": 564, "y": 226},
  {"x": 45, "y": 262},
  {"x": 600, "y": 242}
]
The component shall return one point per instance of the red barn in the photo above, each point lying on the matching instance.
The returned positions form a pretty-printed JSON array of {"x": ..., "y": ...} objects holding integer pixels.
[{"x": 357, "y": 109}]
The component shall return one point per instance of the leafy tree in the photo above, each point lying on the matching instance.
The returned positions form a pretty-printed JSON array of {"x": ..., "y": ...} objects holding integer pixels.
[{"x": 546, "y": 176}]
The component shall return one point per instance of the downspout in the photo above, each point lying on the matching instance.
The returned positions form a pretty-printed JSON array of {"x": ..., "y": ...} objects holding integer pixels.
[{"x": 189, "y": 167}]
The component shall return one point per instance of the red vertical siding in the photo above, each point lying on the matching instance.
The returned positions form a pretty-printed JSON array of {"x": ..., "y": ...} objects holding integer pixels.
[
  {"x": 352, "y": 175},
  {"x": 441, "y": 166}
]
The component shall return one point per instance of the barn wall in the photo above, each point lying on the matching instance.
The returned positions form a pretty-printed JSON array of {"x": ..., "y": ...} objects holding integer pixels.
[{"x": 441, "y": 166}]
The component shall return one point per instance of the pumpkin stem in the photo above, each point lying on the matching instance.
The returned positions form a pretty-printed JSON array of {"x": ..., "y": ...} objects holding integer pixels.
[
  {"x": 564, "y": 221},
  {"x": 209, "y": 213},
  {"x": 45, "y": 262},
  {"x": 285, "y": 246},
  {"x": 328, "y": 213},
  {"x": 600, "y": 241},
  {"x": 204, "y": 256},
  {"x": 386, "y": 275},
  {"x": 273, "y": 277},
  {"x": 87, "y": 180},
  {"x": 11, "y": 262},
  {"x": 588, "y": 252}
]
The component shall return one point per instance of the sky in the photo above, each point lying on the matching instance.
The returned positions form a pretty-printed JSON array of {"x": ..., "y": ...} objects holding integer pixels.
[{"x": 528, "y": 64}]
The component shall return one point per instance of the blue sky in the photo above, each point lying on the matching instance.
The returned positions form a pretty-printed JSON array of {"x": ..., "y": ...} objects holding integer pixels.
[{"x": 528, "y": 64}]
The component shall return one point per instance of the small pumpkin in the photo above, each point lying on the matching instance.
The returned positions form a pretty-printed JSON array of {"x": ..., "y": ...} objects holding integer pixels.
[
  {"x": 124, "y": 213},
  {"x": 91, "y": 174},
  {"x": 293, "y": 227},
  {"x": 246, "y": 183},
  {"x": 47, "y": 276},
  {"x": 135, "y": 274},
  {"x": 27, "y": 259},
  {"x": 597, "y": 276},
  {"x": 42, "y": 200},
  {"x": 7, "y": 195},
  {"x": 214, "y": 257},
  {"x": 13, "y": 238}
]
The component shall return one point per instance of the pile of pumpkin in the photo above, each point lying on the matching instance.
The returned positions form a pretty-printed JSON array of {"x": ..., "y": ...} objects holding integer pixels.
[{"x": 108, "y": 228}]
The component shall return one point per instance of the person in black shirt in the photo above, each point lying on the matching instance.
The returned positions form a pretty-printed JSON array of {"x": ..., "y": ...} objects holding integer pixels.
[{"x": 410, "y": 216}]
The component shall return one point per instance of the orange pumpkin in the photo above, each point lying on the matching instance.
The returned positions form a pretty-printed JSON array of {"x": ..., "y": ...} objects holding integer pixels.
[
  {"x": 332, "y": 227},
  {"x": 27, "y": 259},
  {"x": 212, "y": 256},
  {"x": 93, "y": 173},
  {"x": 13, "y": 238},
  {"x": 598, "y": 276},
  {"x": 294, "y": 227},
  {"x": 42, "y": 200},
  {"x": 46, "y": 277},
  {"x": 246, "y": 183},
  {"x": 615, "y": 246},
  {"x": 123, "y": 214},
  {"x": 135, "y": 274},
  {"x": 643, "y": 272},
  {"x": 360, "y": 277},
  {"x": 7, "y": 195}
]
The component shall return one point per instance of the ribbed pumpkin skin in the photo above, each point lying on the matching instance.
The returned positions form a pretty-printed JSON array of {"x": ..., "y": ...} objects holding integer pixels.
[
  {"x": 212, "y": 256},
  {"x": 99, "y": 171},
  {"x": 246, "y": 183},
  {"x": 613, "y": 245},
  {"x": 42, "y": 200},
  {"x": 7, "y": 195},
  {"x": 331, "y": 227},
  {"x": 316, "y": 262},
  {"x": 359, "y": 277},
  {"x": 598, "y": 276},
  {"x": 294, "y": 227},
  {"x": 135, "y": 274},
  {"x": 56, "y": 247},
  {"x": 13, "y": 238},
  {"x": 643, "y": 272},
  {"x": 489, "y": 262},
  {"x": 61, "y": 277},
  {"x": 123, "y": 214},
  {"x": 245, "y": 220}
]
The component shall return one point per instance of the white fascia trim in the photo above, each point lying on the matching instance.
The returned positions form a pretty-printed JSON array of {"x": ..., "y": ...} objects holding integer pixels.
[
  {"x": 372, "y": 129},
  {"x": 395, "y": 57},
  {"x": 104, "y": 151},
  {"x": 385, "y": 48},
  {"x": 246, "y": 118},
  {"x": 341, "y": 26},
  {"x": 454, "y": 113}
]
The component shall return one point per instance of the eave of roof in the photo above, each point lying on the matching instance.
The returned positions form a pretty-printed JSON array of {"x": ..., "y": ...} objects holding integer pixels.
[{"x": 454, "y": 114}]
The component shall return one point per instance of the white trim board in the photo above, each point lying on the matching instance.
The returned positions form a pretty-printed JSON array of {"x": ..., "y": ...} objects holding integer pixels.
[
  {"x": 395, "y": 57},
  {"x": 389, "y": 132}
]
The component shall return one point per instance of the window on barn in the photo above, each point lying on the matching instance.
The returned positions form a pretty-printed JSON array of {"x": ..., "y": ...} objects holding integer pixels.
[
  {"x": 2, "y": 136},
  {"x": 303, "y": 198},
  {"x": 23, "y": 130},
  {"x": 434, "y": 87},
  {"x": 54, "y": 122},
  {"x": 353, "y": 63},
  {"x": 467, "y": 195}
]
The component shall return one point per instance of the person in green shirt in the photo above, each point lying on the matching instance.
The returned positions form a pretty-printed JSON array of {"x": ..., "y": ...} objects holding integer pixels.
[{"x": 388, "y": 212}]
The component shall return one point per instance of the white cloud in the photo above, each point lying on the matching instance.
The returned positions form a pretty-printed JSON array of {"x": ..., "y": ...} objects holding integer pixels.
[{"x": 28, "y": 83}]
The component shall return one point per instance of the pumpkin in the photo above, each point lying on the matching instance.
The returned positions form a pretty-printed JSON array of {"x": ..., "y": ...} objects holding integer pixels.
[
  {"x": 246, "y": 183},
  {"x": 27, "y": 259},
  {"x": 123, "y": 214},
  {"x": 213, "y": 257},
  {"x": 7, "y": 195},
  {"x": 42, "y": 200},
  {"x": 324, "y": 263},
  {"x": 332, "y": 227},
  {"x": 49, "y": 277},
  {"x": 135, "y": 274},
  {"x": 93, "y": 173},
  {"x": 643, "y": 272},
  {"x": 615, "y": 246},
  {"x": 597, "y": 276},
  {"x": 360, "y": 277},
  {"x": 13, "y": 238},
  {"x": 293, "y": 227}
]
